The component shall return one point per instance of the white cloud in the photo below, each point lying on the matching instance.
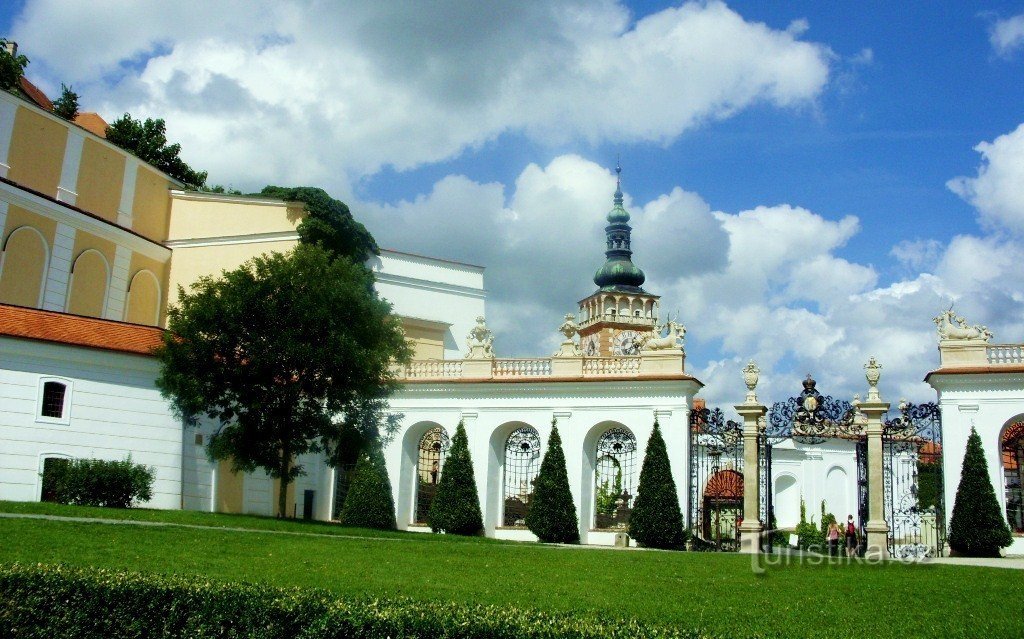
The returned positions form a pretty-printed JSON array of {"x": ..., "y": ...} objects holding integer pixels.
[
  {"x": 326, "y": 93},
  {"x": 996, "y": 192},
  {"x": 1006, "y": 36}
]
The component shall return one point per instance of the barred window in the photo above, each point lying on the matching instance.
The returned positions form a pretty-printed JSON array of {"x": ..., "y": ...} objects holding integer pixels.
[
  {"x": 432, "y": 451},
  {"x": 53, "y": 400},
  {"x": 613, "y": 486},
  {"x": 522, "y": 464}
]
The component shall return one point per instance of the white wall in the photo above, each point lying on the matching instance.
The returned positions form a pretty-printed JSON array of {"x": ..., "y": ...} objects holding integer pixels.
[
  {"x": 584, "y": 410},
  {"x": 987, "y": 401},
  {"x": 115, "y": 410}
]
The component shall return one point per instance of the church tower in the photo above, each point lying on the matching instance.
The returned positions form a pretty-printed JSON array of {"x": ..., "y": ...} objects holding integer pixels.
[{"x": 619, "y": 311}]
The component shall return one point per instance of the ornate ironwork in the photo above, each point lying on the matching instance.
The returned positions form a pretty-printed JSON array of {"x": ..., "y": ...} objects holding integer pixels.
[
  {"x": 522, "y": 463},
  {"x": 912, "y": 480},
  {"x": 1012, "y": 446},
  {"x": 433, "y": 449},
  {"x": 716, "y": 479},
  {"x": 613, "y": 485},
  {"x": 811, "y": 418}
]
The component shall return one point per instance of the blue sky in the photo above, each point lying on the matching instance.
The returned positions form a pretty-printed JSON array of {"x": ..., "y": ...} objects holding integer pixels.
[{"x": 788, "y": 165}]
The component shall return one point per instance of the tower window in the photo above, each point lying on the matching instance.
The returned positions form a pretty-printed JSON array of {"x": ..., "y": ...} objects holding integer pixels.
[{"x": 54, "y": 400}]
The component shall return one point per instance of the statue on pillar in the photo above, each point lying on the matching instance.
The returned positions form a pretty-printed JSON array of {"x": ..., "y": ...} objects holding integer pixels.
[
  {"x": 751, "y": 373},
  {"x": 953, "y": 327},
  {"x": 480, "y": 341},
  {"x": 569, "y": 329},
  {"x": 872, "y": 372}
]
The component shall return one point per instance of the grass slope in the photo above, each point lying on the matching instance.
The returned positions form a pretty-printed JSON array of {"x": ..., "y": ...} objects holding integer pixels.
[{"x": 718, "y": 593}]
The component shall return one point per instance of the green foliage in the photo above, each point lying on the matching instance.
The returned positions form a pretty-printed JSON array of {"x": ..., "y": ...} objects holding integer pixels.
[
  {"x": 977, "y": 528},
  {"x": 12, "y": 67},
  {"x": 369, "y": 503},
  {"x": 328, "y": 222},
  {"x": 552, "y": 515},
  {"x": 95, "y": 482},
  {"x": 274, "y": 351},
  {"x": 66, "y": 106},
  {"x": 456, "y": 506},
  {"x": 656, "y": 521},
  {"x": 220, "y": 188},
  {"x": 49, "y": 601},
  {"x": 606, "y": 496},
  {"x": 148, "y": 141},
  {"x": 929, "y": 485},
  {"x": 808, "y": 534}
]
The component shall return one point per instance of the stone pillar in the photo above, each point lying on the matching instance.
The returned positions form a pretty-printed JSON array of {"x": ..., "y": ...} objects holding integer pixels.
[
  {"x": 751, "y": 412},
  {"x": 873, "y": 409}
]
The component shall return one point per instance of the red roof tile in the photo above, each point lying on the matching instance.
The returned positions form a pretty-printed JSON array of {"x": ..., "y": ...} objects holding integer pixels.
[
  {"x": 33, "y": 93},
  {"x": 93, "y": 123},
  {"x": 63, "y": 328}
]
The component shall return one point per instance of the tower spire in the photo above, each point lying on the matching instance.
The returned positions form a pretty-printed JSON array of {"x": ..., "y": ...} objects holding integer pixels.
[
  {"x": 619, "y": 273},
  {"x": 617, "y": 200}
]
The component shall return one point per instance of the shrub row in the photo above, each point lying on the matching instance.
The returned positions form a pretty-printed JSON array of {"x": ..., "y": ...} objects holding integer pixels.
[
  {"x": 54, "y": 600},
  {"x": 95, "y": 482}
]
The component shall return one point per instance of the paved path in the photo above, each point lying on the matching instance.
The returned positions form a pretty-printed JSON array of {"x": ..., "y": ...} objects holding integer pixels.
[{"x": 1015, "y": 562}]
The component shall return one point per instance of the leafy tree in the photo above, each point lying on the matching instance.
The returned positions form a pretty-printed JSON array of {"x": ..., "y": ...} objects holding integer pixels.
[
  {"x": 977, "y": 528},
  {"x": 148, "y": 141},
  {"x": 552, "y": 515},
  {"x": 12, "y": 67},
  {"x": 328, "y": 222},
  {"x": 66, "y": 106},
  {"x": 369, "y": 503},
  {"x": 656, "y": 521},
  {"x": 276, "y": 350},
  {"x": 456, "y": 506}
]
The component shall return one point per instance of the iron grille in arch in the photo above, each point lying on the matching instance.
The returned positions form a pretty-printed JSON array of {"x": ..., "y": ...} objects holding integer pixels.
[
  {"x": 912, "y": 479},
  {"x": 716, "y": 479},
  {"x": 613, "y": 486},
  {"x": 433, "y": 449},
  {"x": 522, "y": 463},
  {"x": 1012, "y": 448}
]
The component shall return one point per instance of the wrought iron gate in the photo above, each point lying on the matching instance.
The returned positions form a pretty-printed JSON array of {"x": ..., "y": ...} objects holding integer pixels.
[
  {"x": 912, "y": 475},
  {"x": 716, "y": 480},
  {"x": 809, "y": 418}
]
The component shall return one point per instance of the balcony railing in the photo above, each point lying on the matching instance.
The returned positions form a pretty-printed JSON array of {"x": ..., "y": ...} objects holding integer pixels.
[
  {"x": 521, "y": 367},
  {"x": 1004, "y": 354},
  {"x": 513, "y": 368}
]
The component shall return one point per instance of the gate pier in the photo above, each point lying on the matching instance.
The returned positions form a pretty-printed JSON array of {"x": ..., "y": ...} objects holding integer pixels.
[{"x": 877, "y": 529}]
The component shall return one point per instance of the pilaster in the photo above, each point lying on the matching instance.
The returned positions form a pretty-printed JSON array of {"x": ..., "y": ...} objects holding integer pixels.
[
  {"x": 69, "y": 170},
  {"x": 117, "y": 292},
  {"x": 55, "y": 292},
  {"x": 124, "y": 208},
  {"x": 8, "y": 110}
]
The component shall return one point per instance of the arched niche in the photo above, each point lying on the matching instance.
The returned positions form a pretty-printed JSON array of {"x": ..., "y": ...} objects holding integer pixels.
[
  {"x": 143, "y": 306},
  {"x": 23, "y": 267},
  {"x": 90, "y": 276}
]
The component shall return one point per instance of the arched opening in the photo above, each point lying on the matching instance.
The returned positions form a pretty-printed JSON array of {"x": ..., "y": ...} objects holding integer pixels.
[
  {"x": 837, "y": 493},
  {"x": 1011, "y": 448},
  {"x": 723, "y": 502},
  {"x": 23, "y": 267},
  {"x": 433, "y": 449},
  {"x": 614, "y": 481},
  {"x": 521, "y": 466},
  {"x": 786, "y": 501},
  {"x": 88, "y": 290},
  {"x": 143, "y": 299}
]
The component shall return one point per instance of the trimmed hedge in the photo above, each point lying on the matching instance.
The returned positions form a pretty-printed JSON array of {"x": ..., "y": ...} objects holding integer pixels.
[
  {"x": 456, "y": 506},
  {"x": 369, "y": 503},
  {"x": 552, "y": 515},
  {"x": 54, "y": 600},
  {"x": 978, "y": 526},
  {"x": 656, "y": 521},
  {"x": 96, "y": 482}
]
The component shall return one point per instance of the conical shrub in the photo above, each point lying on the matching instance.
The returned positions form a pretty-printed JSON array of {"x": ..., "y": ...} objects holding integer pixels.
[
  {"x": 656, "y": 521},
  {"x": 977, "y": 528},
  {"x": 369, "y": 502},
  {"x": 552, "y": 515},
  {"x": 456, "y": 506}
]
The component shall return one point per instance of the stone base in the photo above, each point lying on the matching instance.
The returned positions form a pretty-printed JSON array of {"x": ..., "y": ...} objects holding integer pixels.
[
  {"x": 661, "y": 362},
  {"x": 566, "y": 366},
  {"x": 878, "y": 540},
  {"x": 750, "y": 538}
]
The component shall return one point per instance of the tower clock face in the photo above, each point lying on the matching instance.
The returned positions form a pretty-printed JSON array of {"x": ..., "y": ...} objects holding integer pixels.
[
  {"x": 625, "y": 343},
  {"x": 590, "y": 345}
]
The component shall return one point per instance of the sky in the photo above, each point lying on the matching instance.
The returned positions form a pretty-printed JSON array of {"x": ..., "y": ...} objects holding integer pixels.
[{"x": 809, "y": 184}]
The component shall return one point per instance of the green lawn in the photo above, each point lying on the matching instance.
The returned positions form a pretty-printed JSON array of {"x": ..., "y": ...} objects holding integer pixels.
[{"x": 716, "y": 592}]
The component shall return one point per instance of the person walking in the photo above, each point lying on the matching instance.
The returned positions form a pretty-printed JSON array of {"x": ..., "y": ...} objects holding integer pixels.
[
  {"x": 851, "y": 537},
  {"x": 833, "y": 539}
]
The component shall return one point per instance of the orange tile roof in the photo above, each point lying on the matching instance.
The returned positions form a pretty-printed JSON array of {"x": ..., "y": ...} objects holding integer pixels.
[
  {"x": 93, "y": 123},
  {"x": 76, "y": 330},
  {"x": 34, "y": 93}
]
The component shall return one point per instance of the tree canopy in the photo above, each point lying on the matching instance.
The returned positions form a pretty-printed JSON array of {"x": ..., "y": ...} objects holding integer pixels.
[
  {"x": 148, "y": 141},
  {"x": 328, "y": 222},
  {"x": 289, "y": 353},
  {"x": 66, "y": 106},
  {"x": 12, "y": 67}
]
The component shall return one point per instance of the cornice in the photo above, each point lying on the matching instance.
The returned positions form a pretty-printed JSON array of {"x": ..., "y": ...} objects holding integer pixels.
[
  {"x": 224, "y": 240},
  {"x": 429, "y": 285},
  {"x": 81, "y": 220}
]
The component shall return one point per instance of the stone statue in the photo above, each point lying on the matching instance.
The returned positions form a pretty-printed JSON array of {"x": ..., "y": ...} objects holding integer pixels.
[
  {"x": 480, "y": 341},
  {"x": 671, "y": 342},
  {"x": 751, "y": 373},
  {"x": 569, "y": 347},
  {"x": 873, "y": 372},
  {"x": 953, "y": 327}
]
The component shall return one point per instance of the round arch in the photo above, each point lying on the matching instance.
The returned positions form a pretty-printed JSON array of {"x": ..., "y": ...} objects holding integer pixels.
[
  {"x": 1011, "y": 463},
  {"x": 514, "y": 455},
  {"x": 411, "y": 475},
  {"x": 143, "y": 299},
  {"x": 24, "y": 264},
  {"x": 88, "y": 284},
  {"x": 611, "y": 469},
  {"x": 786, "y": 500}
]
